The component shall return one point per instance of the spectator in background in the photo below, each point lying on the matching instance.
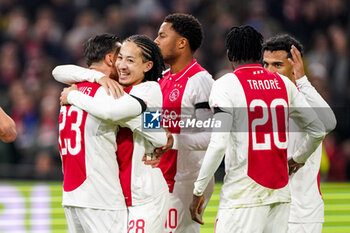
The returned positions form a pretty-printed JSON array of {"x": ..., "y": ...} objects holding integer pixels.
[
  {"x": 114, "y": 20},
  {"x": 340, "y": 71},
  {"x": 86, "y": 25},
  {"x": 25, "y": 114},
  {"x": 10, "y": 64},
  {"x": 339, "y": 162},
  {"x": 320, "y": 51},
  {"x": 32, "y": 29}
]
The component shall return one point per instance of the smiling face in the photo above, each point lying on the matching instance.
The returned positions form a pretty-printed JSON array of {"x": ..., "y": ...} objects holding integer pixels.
[
  {"x": 277, "y": 61},
  {"x": 130, "y": 65},
  {"x": 167, "y": 40}
]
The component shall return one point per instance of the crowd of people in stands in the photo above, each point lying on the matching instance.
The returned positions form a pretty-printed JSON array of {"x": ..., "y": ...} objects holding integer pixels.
[{"x": 37, "y": 35}]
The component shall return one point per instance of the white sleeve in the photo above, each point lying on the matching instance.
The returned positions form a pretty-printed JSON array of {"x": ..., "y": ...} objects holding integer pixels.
[
  {"x": 191, "y": 141},
  {"x": 157, "y": 138},
  {"x": 151, "y": 94},
  {"x": 219, "y": 97},
  {"x": 320, "y": 106},
  {"x": 222, "y": 94},
  {"x": 70, "y": 74},
  {"x": 104, "y": 106},
  {"x": 200, "y": 86},
  {"x": 213, "y": 155},
  {"x": 306, "y": 118}
]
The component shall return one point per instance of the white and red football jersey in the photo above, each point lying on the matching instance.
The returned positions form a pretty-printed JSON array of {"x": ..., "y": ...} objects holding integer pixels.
[
  {"x": 141, "y": 183},
  {"x": 257, "y": 104},
  {"x": 185, "y": 95},
  {"x": 87, "y": 147},
  {"x": 307, "y": 205}
]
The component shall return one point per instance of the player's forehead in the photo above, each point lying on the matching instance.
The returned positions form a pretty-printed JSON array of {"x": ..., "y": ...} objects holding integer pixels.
[
  {"x": 275, "y": 56},
  {"x": 130, "y": 49},
  {"x": 167, "y": 28}
]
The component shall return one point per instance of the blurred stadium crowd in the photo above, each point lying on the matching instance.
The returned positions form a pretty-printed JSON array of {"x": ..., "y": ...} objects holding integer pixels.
[{"x": 37, "y": 35}]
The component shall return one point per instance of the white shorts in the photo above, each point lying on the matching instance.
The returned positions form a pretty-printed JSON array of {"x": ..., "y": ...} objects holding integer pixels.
[
  {"x": 149, "y": 218},
  {"x": 89, "y": 220},
  {"x": 179, "y": 217},
  {"x": 305, "y": 227},
  {"x": 261, "y": 219}
]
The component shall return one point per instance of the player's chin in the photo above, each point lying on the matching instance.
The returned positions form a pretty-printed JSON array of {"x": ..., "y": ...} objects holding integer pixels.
[{"x": 124, "y": 82}]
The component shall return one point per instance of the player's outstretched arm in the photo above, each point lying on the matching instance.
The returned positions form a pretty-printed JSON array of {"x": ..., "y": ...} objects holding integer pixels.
[
  {"x": 70, "y": 74},
  {"x": 214, "y": 154},
  {"x": 306, "y": 118},
  {"x": 151, "y": 94},
  {"x": 8, "y": 131},
  {"x": 320, "y": 106},
  {"x": 111, "y": 87},
  {"x": 197, "y": 139},
  {"x": 157, "y": 138},
  {"x": 102, "y": 105},
  {"x": 315, "y": 100}
]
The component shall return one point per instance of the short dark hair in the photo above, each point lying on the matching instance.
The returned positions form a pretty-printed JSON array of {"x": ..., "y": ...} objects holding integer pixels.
[
  {"x": 283, "y": 42},
  {"x": 150, "y": 52},
  {"x": 187, "y": 26},
  {"x": 244, "y": 43},
  {"x": 96, "y": 48}
]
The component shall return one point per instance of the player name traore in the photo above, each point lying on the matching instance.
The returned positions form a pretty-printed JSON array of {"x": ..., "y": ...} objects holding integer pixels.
[{"x": 267, "y": 84}]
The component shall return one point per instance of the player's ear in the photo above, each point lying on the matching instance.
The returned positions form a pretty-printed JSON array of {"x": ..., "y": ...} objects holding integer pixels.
[
  {"x": 109, "y": 59},
  {"x": 149, "y": 65},
  {"x": 182, "y": 42}
]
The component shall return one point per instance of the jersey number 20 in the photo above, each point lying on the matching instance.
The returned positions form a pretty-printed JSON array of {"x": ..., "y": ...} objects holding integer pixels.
[{"x": 276, "y": 126}]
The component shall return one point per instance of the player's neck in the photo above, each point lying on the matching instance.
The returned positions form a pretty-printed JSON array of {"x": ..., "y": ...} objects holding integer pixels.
[
  {"x": 236, "y": 64},
  {"x": 181, "y": 63},
  {"x": 101, "y": 67}
]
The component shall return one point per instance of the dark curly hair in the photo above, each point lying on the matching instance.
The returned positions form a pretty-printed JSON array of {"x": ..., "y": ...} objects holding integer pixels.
[
  {"x": 150, "y": 52},
  {"x": 244, "y": 43},
  {"x": 187, "y": 26},
  {"x": 96, "y": 48},
  {"x": 283, "y": 42}
]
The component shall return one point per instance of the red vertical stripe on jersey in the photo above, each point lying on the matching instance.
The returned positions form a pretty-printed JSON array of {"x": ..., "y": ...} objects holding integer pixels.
[
  {"x": 125, "y": 148},
  {"x": 267, "y": 152},
  {"x": 172, "y": 96},
  {"x": 318, "y": 183},
  {"x": 74, "y": 167},
  {"x": 173, "y": 87}
]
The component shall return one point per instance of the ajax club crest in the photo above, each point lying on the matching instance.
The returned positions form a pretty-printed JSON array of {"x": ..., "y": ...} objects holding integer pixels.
[{"x": 174, "y": 94}]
